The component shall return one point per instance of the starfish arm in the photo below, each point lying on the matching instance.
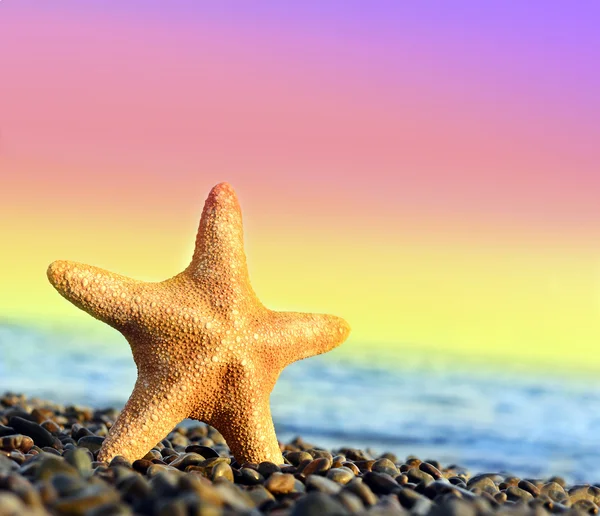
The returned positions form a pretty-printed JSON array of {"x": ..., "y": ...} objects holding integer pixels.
[
  {"x": 152, "y": 411},
  {"x": 303, "y": 335},
  {"x": 247, "y": 427},
  {"x": 102, "y": 294},
  {"x": 219, "y": 252}
]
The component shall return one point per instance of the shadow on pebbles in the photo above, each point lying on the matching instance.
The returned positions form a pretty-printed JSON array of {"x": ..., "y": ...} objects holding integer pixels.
[{"x": 48, "y": 466}]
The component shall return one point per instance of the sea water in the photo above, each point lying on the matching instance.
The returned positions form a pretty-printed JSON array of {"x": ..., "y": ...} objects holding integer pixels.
[{"x": 526, "y": 425}]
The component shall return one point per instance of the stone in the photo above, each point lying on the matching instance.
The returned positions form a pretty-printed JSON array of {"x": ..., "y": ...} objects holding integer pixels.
[
  {"x": 93, "y": 496},
  {"x": 222, "y": 471},
  {"x": 80, "y": 459},
  {"x": 323, "y": 484},
  {"x": 41, "y": 437},
  {"x": 316, "y": 503},
  {"x": 22, "y": 443},
  {"x": 91, "y": 442},
  {"x": 280, "y": 483},
  {"x": 317, "y": 466},
  {"x": 341, "y": 475},
  {"x": 516, "y": 494},
  {"x": 385, "y": 466}
]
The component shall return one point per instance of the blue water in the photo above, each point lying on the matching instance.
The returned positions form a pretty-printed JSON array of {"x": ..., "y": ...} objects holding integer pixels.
[{"x": 531, "y": 426}]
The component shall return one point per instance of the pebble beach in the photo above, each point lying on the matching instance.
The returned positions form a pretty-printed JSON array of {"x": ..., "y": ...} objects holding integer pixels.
[{"x": 48, "y": 465}]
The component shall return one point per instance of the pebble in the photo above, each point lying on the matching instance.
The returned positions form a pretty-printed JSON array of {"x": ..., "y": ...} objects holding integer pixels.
[
  {"x": 431, "y": 470},
  {"x": 316, "y": 503},
  {"x": 266, "y": 469},
  {"x": 187, "y": 459},
  {"x": 11, "y": 505},
  {"x": 483, "y": 483},
  {"x": 280, "y": 483},
  {"x": 260, "y": 495},
  {"x": 362, "y": 490},
  {"x": 350, "y": 501},
  {"x": 222, "y": 471},
  {"x": 317, "y": 466},
  {"x": 415, "y": 475},
  {"x": 381, "y": 483},
  {"x": 296, "y": 457},
  {"x": 341, "y": 475},
  {"x": 22, "y": 443},
  {"x": 91, "y": 442},
  {"x": 385, "y": 466},
  {"x": 323, "y": 484},
  {"x": 92, "y": 497},
  {"x": 80, "y": 459},
  {"x": 250, "y": 477},
  {"x": 47, "y": 467},
  {"x": 205, "y": 451},
  {"x": 516, "y": 494},
  {"x": 41, "y": 437}
]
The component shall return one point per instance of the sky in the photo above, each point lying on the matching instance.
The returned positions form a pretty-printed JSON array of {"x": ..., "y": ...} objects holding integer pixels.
[{"x": 430, "y": 171}]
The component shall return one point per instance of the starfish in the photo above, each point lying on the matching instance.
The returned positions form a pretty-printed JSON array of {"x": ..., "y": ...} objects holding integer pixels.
[{"x": 205, "y": 347}]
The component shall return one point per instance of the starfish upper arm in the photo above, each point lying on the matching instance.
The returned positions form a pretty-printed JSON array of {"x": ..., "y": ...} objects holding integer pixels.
[{"x": 105, "y": 295}]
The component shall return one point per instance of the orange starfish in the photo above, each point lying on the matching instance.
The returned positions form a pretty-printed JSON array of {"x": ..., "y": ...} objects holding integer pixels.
[{"x": 204, "y": 345}]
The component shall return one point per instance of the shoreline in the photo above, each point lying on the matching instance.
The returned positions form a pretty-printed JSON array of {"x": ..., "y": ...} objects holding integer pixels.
[{"x": 48, "y": 466}]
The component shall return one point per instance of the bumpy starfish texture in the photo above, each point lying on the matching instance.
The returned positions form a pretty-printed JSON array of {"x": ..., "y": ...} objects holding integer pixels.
[{"x": 204, "y": 345}]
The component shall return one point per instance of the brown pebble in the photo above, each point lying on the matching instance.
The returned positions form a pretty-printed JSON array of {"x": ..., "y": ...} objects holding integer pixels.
[
  {"x": 516, "y": 494},
  {"x": 385, "y": 466},
  {"x": 22, "y": 443},
  {"x": 586, "y": 506},
  {"x": 554, "y": 490},
  {"x": 341, "y": 475},
  {"x": 51, "y": 426},
  {"x": 415, "y": 475},
  {"x": 430, "y": 469},
  {"x": 402, "y": 479},
  {"x": 580, "y": 492},
  {"x": 363, "y": 491},
  {"x": 280, "y": 483},
  {"x": 222, "y": 470},
  {"x": 529, "y": 487},
  {"x": 352, "y": 467},
  {"x": 296, "y": 457},
  {"x": 317, "y": 466}
]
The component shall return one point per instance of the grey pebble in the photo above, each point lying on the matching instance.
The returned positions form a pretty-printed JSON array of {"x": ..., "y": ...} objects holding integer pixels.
[
  {"x": 350, "y": 501},
  {"x": 11, "y": 505},
  {"x": 341, "y": 475},
  {"x": 316, "y": 503},
  {"x": 381, "y": 483},
  {"x": 41, "y": 437},
  {"x": 92, "y": 496},
  {"x": 260, "y": 495},
  {"x": 80, "y": 459},
  {"x": 323, "y": 484},
  {"x": 91, "y": 442},
  {"x": 249, "y": 477},
  {"x": 362, "y": 490}
]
